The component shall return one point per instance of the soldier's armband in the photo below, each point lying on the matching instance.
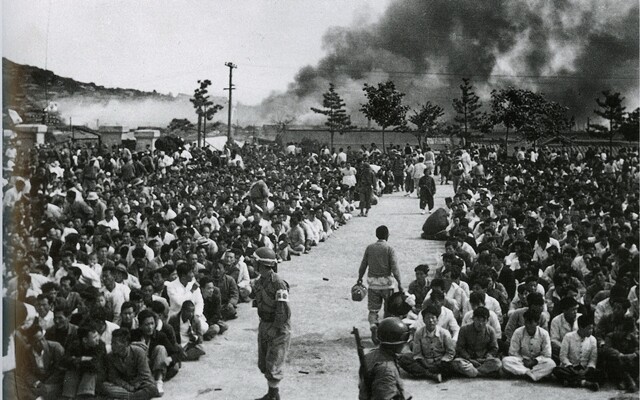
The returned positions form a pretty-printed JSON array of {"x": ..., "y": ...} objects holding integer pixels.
[{"x": 282, "y": 295}]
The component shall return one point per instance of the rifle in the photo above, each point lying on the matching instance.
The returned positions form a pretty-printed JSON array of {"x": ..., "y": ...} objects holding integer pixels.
[
  {"x": 366, "y": 379},
  {"x": 364, "y": 375}
]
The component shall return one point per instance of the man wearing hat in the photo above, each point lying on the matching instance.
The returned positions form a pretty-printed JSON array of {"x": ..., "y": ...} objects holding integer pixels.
[
  {"x": 271, "y": 295},
  {"x": 98, "y": 206}
]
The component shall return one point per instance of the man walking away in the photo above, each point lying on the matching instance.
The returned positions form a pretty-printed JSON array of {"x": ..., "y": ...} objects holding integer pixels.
[{"x": 381, "y": 260}]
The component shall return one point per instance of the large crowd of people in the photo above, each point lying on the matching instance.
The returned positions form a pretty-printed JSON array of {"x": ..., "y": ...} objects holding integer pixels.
[
  {"x": 540, "y": 272},
  {"x": 119, "y": 265}
]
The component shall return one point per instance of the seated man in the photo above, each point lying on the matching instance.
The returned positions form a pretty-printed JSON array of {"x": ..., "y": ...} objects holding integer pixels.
[
  {"x": 477, "y": 348},
  {"x": 128, "y": 374},
  {"x": 188, "y": 332},
  {"x": 446, "y": 319},
  {"x": 530, "y": 350},
  {"x": 476, "y": 300},
  {"x": 84, "y": 363},
  {"x": 229, "y": 294},
  {"x": 535, "y": 302},
  {"x": 419, "y": 287},
  {"x": 578, "y": 357},
  {"x": 38, "y": 370},
  {"x": 62, "y": 331},
  {"x": 163, "y": 355},
  {"x": 563, "y": 324},
  {"x": 620, "y": 354},
  {"x": 433, "y": 349},
  {"x": 212, "y": 313},
  {"x": 237, "y": 269}
]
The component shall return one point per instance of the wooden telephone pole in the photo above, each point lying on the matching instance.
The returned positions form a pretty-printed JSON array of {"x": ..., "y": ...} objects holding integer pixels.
[{"x": 231, "y": 88}]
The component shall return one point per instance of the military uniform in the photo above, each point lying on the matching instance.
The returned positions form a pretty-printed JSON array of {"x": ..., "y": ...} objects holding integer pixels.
[
  {"x": 384, "y": 377},
  {"x": 274, "y": 332}
]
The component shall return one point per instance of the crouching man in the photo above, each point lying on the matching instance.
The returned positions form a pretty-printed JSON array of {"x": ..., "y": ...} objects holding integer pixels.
[
  {"x": 530, "y": 350},
  {"x": 128, "y": 373}
]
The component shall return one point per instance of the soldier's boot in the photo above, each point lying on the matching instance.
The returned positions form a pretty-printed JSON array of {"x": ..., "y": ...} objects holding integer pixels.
[{"x": 272, "y": 394}]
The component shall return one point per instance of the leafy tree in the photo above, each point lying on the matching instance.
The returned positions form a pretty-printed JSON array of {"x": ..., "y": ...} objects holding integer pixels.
[
  {"x": 611, "y": 108},
  {"x": 468, "y": 109},
  {"x": 182, "y": 126},
  {"x": 334, "y": 109},
  {"x": 426, "y": 120},
  {"x": 630, "y": 126},
  {"x": 205, "y": 109},
  {"x": 384, "y": 106},
  {"x": 527, "y": 113}
]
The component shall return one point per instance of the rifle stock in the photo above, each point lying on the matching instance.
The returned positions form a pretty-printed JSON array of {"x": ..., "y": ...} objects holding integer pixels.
[{"x": 364, "y": 375}]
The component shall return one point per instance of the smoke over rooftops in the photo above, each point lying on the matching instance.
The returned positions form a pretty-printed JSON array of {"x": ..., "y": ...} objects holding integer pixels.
[{"x": 569, "y": 50}]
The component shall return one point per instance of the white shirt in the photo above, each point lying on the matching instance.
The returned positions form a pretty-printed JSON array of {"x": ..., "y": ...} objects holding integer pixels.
[
  {"x": 178, "y": 294},
  {"x": 446, "y": 321},
  {"x": 118, "y": 296}
]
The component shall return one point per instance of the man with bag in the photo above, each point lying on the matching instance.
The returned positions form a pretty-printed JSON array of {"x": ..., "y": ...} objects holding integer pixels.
[{"x": 380, "y": 258}]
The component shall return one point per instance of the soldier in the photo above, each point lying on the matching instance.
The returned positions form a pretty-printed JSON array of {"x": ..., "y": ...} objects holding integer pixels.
[
  {"x": 274, "y": 332},
  {"x": 382, "y": 380}
]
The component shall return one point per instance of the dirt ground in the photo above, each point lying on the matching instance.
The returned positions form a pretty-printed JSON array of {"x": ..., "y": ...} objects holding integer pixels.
[{"x": 322, "y": 362}]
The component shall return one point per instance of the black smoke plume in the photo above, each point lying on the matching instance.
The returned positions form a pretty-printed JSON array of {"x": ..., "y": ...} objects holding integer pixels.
[{"x": 568, "y": 50}]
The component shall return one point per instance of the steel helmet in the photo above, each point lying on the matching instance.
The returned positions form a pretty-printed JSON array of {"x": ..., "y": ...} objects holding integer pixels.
[
  {"x": 265, "y": 256},
  {"x": 392, "y": 331}
]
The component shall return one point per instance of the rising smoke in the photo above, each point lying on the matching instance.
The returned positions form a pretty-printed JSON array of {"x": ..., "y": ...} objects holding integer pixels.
[{"x": 568, "y": 50}]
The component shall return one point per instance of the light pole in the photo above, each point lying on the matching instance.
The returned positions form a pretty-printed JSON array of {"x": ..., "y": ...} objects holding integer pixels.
[{"x": 230, "y": 89}]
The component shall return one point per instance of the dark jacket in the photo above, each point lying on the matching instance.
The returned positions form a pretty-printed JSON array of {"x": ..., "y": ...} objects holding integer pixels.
[{"x": 27, "y": 367}]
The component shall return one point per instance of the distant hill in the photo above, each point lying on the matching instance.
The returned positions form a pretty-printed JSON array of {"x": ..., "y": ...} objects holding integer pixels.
[{"x": 24, "y": 91}]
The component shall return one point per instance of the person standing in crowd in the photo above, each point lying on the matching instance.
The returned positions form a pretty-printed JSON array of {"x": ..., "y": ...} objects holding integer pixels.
[
  {"x": 271, "y": 295},
  {"x": 380, "y": 259},
  {"x": 426, "y": 191},
  {"x": 366, "y": 183},
  {"x": 382, "y": 380}
]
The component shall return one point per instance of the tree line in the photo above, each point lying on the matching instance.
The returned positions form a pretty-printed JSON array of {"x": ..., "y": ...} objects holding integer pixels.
[{"x": 520, "y": 111}]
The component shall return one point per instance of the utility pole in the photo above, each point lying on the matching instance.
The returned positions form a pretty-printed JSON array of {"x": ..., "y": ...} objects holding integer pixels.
[{"x": 230, "y": 89}]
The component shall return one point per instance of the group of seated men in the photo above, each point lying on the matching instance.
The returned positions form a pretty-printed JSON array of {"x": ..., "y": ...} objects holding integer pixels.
[
  {"x": 534, "y": 288},
  {"x": 110, "y": 301}
]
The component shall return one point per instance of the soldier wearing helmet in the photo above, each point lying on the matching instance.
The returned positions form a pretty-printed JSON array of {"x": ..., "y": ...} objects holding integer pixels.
[
  {"x": 383, "y": 377},
  {"x": 271, "y": 295}
]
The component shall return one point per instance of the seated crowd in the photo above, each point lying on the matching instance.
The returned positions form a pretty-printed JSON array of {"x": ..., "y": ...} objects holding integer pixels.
[
  {"x": 118, "y": 266},
  {"x": 540, "y": 273}
]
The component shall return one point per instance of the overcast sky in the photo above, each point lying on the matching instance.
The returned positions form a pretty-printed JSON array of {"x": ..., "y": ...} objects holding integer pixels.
[{"x": 168, "y": 46}]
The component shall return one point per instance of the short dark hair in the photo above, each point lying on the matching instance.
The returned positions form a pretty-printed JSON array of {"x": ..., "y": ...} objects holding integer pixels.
[
  {"x": 481, "y": 312},
  {"x": 121, "y": 334},
  {"x": 157, "y": 307},
  {"x": 382, "y": 232},
  {"x": 144, "y": 314},
  {"x": 125, "y": 305},
  {"x": 422, "y": 267},
  {"x": 476, "y": 298},
  {"x": 535, "y": 299},
  {"x": 584, "y": 321},
  {"x": 431, "y": 309},
  {"x": 183, "y": 269}
]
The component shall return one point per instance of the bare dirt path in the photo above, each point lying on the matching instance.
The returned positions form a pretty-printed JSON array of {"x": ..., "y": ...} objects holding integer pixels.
[{"x": 322, "y": 362}]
